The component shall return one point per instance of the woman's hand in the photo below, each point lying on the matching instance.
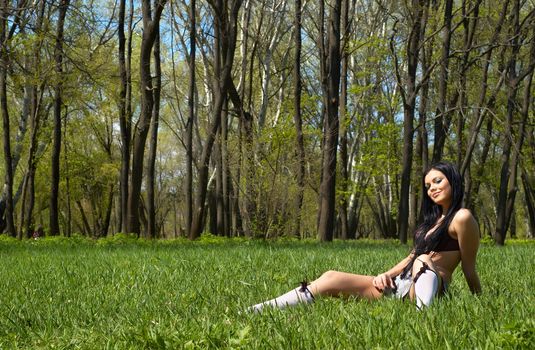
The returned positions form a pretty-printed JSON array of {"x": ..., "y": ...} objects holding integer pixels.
[{"x": 383, "y": 281}]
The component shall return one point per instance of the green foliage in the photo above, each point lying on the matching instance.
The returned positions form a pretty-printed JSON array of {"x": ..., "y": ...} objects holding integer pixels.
[
  {"x": 516, "y": 335},
  {"x": 378, "y": 153},
  {"x": 91, "y": 83},
  {"x": 119, "y": 238},
  {"x": 4, "y": 238},
  {"x": 180, "y": 294}
]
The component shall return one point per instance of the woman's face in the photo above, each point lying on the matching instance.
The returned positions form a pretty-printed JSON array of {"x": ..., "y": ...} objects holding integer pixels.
[{"x": 438, "y": 188}]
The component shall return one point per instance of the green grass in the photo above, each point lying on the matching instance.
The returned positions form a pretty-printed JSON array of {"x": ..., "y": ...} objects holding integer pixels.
[{"x": 122, "y": 294}]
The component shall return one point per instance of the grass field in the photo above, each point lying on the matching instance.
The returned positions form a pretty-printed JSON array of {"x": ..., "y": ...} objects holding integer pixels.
[{"x": 125, "y": 294}]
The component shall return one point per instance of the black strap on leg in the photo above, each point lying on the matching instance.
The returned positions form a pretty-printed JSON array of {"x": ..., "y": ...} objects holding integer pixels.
[
  {"x": 304, "y": 288},
  {"x": 424, "y": 268}
]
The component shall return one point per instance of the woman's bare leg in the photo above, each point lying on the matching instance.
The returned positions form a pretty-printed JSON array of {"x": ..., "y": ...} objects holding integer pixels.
[
  {"x": 336, "y": 283},
  {"x": 295, "y": 296},
  {"x": 331, "y": 283}
]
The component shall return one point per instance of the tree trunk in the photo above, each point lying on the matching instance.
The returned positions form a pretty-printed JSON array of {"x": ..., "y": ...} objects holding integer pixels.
[
  {"x": 442, "y": 119},
  {"x": 107, "y": 216},
  {"x": 472, "y": 188},
  {"x": 482, "y": 109},
  {"x": 470, "y": 19},
  {"x": 68, "y": 220},
  {"x": 58, "y": 102},
  {"x": 32, "y": 161},
  {"x": 528, "y": 181},
  {"x": 191, "y": 119},
  {"x": 529, "y": 193},
  {"x": 10, "y": 28},
  {"x": 8, "y": 163},
  {"x": 266, "y": 73},
  {"x": 25, "y": 115},
  {"x": 237, "y": 222},
  {"x": 355, "y": 206},
  {"x": 151, "y": 171},
  {"x": 212, "y": 209},
  {"x": 250, "y": 209},
  {"x": 151, "y": 23},
  {"x": 223, "y": 209},
  {"x": 344, "y": 122},
  {"x": 125, "y": 123},
  {"x": 245, "y": 143},
  {"x": 409, "y": 101},
  {"x": 85, "y": 222},
  {"x": 218, "y": 191},
  {"x": 331, "y": 82},
  {"x": 422, "y": 145},
  {"x": 300, "y": 145},
  {"x": 323, "y": 76},
  {"x": 226, "y": 31},
  {"x": 508, "y": 173},
  {"x": 515, "y": 159},
  {"x": 128, "y": 134},
  {"x": 227, "y": 183}
]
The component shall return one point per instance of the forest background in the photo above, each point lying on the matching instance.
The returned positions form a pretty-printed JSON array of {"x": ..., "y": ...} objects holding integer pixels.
[{"x": 263, "y": 118}]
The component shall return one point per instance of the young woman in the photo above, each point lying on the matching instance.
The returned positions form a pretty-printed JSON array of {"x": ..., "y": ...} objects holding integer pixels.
[{"x": 448, "y": 235}]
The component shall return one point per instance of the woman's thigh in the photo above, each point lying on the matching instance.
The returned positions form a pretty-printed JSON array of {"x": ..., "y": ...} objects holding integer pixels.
[
  {"x": 418, "y": 264},
  {"x": 336, "y": 283}
]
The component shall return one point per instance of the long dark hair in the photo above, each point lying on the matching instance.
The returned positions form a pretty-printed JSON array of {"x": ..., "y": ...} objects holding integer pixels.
[{"x": 431, "y": 213}]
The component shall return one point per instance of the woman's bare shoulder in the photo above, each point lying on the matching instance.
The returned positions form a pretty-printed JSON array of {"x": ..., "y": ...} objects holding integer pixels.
[
  {"x": 464, "y": 222},
  {"x": 463, "y": 216}
]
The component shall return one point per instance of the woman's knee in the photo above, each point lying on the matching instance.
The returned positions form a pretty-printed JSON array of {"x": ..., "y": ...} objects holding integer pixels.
[
  {"x": 330, "y": 275},
  {"x": 422, "y": 260},
  {"x": 330, "y": 283}
]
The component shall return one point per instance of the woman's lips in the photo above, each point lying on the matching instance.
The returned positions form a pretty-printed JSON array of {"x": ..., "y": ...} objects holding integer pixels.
[{"x": 436, "y": 194}]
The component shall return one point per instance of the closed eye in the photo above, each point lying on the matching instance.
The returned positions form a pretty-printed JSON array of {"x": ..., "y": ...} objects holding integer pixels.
[{"x": 436, "y": 180}]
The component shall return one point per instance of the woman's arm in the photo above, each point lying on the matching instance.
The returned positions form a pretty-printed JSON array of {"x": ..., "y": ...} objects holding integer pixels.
[
  {"x": 385, "y": 280},
  {"x": 467, "y": 230}
]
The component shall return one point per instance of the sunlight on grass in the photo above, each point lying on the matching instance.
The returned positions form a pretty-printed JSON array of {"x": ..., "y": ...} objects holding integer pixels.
[{"x": 125, "y": 293}]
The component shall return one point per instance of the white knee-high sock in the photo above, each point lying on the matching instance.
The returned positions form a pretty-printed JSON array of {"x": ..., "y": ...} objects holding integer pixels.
[
  {"x": 293, "y": 297},
  {"x": 426, "y": 288}
]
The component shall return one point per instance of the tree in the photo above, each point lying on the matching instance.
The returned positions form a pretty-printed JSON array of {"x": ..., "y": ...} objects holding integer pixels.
[
  {"x": 191, "y": 119},
  {"x": 151, "y": 23},
  {"x": 330, "y": 76},
  {"x": 225, "y": 23},
  {"x": 529, "y": 193},
  {"x": 409, "y": 90},
  {"x": 443, "y": 116},
  {"x": 125, "y": 115},
  {"x": 344, "y": 121},
  {"x": 508, "y": 173},
  {"x": 4, "y": 66},
  {"x": 36, "y": 91},
  {"x": 152, "y": 230},
  {"x": 247, "y": 142},
  {"x": 300, "y": 147},
  {"x": 58, "y": 105},
  {"x": 485, "y": 103}
]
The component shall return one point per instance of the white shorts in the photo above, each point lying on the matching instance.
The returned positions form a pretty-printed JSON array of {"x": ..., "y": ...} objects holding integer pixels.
[{"x": 402, "y": 287}]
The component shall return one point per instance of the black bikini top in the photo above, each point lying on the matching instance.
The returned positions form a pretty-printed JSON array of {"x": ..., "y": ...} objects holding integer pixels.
[{"x": 447, "y": 244}]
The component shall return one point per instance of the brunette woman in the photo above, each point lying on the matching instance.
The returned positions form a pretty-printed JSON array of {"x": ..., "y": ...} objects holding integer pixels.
[{"x": 448, "y": 235}]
